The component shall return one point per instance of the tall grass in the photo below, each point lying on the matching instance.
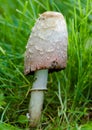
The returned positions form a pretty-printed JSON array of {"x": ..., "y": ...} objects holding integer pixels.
[{"x": 68, "y": 102}]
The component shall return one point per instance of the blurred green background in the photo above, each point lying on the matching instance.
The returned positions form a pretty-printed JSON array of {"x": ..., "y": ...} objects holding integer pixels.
[{"x": 68, "y": 102}]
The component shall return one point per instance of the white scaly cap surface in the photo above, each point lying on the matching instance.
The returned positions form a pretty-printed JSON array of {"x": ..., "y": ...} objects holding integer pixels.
[{"x": 47, "y": 44}]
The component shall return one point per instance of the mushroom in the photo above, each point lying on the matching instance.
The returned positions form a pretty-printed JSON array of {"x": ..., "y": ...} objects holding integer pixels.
[{"x": 46, "y": 51}]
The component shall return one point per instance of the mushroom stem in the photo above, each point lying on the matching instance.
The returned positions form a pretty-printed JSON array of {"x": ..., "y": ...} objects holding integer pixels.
[{"x": 37, "y": 96}]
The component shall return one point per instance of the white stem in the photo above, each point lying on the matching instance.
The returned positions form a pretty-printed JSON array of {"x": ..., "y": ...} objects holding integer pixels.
[{"x": 37, "y": 96}]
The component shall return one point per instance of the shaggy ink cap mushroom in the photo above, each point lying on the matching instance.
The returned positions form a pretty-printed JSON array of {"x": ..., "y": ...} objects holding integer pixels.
[{"x": 46, "y": 51}]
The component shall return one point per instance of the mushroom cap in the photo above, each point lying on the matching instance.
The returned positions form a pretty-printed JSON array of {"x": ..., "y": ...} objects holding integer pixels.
[{"x": 47, "y": 44}]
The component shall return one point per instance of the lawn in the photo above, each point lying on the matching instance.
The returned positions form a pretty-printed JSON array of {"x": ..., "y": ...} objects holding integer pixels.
[{"x": 68, "y": 101}]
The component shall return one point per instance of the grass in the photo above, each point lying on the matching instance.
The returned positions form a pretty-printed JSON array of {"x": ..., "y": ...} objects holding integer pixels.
[{"x": 68, "y": 102}]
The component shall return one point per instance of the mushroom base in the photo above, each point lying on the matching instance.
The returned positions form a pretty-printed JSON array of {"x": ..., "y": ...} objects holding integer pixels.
[{"x": 35, "y": 107}]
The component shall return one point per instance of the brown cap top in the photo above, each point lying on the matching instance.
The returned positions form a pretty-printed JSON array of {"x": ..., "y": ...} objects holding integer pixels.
[
  {"x": 50, "y": 14},
  {"x": 47, "y": 44}
]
